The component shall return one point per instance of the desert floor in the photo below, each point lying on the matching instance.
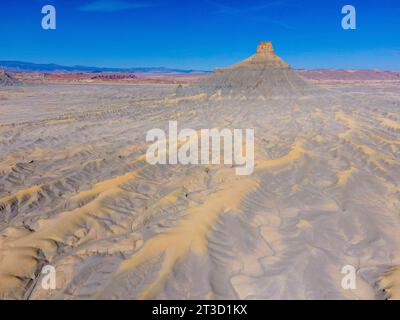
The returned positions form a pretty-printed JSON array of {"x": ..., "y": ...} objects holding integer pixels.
[{"x": 76, "y": 192}]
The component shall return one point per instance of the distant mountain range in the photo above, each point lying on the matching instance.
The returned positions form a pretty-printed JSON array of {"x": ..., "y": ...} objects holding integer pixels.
[
  {"x": 51, "y": 67},
  {"x": 312, "y": 74}
]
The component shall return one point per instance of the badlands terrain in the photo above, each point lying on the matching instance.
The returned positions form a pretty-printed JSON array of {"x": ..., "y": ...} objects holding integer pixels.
[{"x": 76, "y": 191}]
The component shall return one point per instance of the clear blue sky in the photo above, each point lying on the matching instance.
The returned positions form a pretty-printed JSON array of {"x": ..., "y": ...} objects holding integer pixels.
[{"x": 201, "y": 34}]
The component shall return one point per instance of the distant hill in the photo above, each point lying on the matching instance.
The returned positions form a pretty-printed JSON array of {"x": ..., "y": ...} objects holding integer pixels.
[{"x": 51, "y": 67}]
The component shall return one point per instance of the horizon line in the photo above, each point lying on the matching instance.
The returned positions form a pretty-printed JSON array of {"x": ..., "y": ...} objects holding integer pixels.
[{"x": 126, "y": 69}]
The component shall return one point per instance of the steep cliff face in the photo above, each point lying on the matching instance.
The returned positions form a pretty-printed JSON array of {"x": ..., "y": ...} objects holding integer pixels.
[{"x": 264, "y": 57}]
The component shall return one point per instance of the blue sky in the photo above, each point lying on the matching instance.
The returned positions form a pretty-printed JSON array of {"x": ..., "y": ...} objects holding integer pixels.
[{"x": 201, "y": 34}]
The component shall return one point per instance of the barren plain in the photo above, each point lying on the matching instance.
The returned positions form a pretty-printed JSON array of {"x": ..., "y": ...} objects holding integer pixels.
[{"x": 76, "y": 192}]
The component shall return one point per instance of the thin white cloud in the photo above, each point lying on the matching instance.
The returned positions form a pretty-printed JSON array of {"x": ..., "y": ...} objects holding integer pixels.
[{"x": 112, "y": 6}]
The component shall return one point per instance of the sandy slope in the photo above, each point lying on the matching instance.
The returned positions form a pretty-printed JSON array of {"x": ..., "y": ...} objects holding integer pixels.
[{"x": 76, "y": 192}]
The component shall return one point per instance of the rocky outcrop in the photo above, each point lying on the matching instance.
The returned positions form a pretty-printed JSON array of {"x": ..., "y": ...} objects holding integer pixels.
[
  {"x": 114, "y": 76},
  {"x": 7, "y": 80},
  {"x": 264, "y": 57},
  {"x": 262, "y": 75}
]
